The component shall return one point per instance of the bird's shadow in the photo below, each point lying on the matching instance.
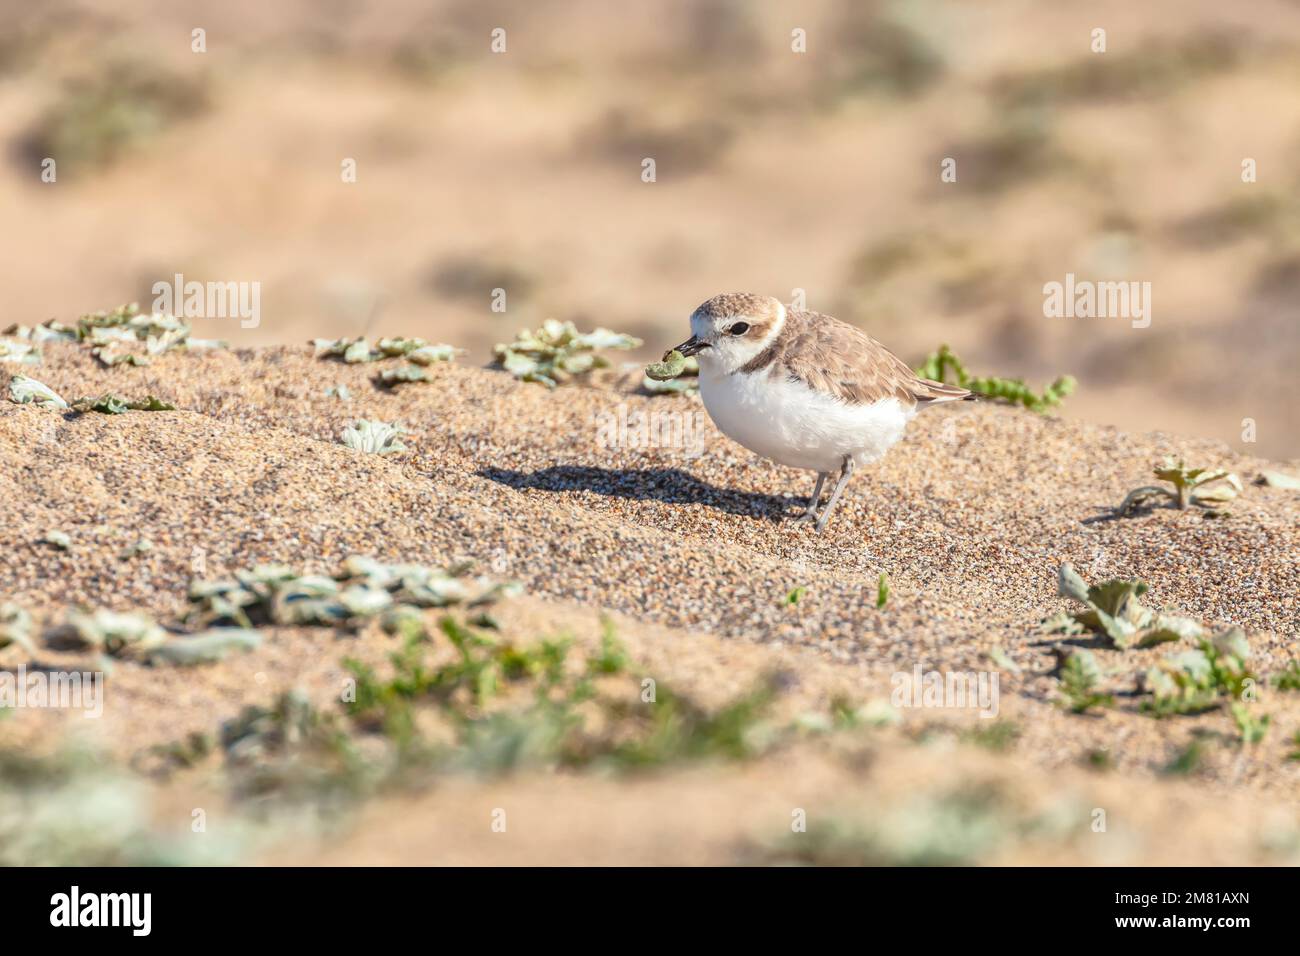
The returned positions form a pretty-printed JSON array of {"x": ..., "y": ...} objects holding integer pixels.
[{"x": 669, "y": 485}]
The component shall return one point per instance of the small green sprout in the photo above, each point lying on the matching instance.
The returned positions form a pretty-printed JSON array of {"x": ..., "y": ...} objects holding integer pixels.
[
  {"x": 1288, "y": 679},
  {"x": 376, "y": 438},
  {"x": 1252, "y": 728},
  {"x": 795, "y": 596},
  {"x": 1079, "y": 675},
  {"x": 1191, "y": 486},
  {"x": 944, "y": 366},
  {"x": 613, "y": 657},
  {"x": 1187, "y": 761},
  {"x": 999, "y": 736},
  {"x": 1099, "y": 759},
  {"x": 882, "y": 590}
]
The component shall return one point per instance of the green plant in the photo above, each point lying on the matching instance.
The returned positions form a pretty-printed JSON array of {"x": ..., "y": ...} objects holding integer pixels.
[
  {"x": 505, "y": 705},
  {"x": 1114, "y": 610},
  {"x": 19, "y": 353},
  {"x": 1251, "y": 728},
  {"x": 1099, "y": 759},
  {"x": 1190, "y": 487},
  {"x": 998, "y": 736},
  {"x": 121, "y": 336},
  {"x": 291, "y": 752},
  {"x": 74, "y": 807},
  {"x": 613, "y": 657},
  {"x": 953, "y": 827},
  {"x": 112, "y": 405},
  {"x": 402, "y": 375},
  {"x": 1288, "y": 679},
  {"x": 375, "y": 438},
  {"x": 1202, "y": 679},
  {"x": 362, "y": 589},
  {"x": 1188, "y": 760},
  {"x": 882, "y": 591},
  {"x": 944, "y": 366},
  {"x": 28, "y": 391},
  {"x": 558, "y": 352},
  {"x": 355, "y": 351},
  {"x": 1079, "y": 676},
  {"x": 1278, "y": 479}
]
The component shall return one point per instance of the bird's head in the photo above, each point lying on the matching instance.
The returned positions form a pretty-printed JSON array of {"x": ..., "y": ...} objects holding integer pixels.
[{"x": 731, "y": 329}]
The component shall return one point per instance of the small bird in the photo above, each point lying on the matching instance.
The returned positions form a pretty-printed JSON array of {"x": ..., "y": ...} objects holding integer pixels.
[{"x": 804, "y": 389}]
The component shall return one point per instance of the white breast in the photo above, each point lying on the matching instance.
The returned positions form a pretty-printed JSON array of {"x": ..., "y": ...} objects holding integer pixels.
[{"x": 796, "y": 426}]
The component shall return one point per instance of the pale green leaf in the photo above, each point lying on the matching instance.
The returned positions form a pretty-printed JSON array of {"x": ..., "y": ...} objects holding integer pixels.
[
  {"x": 378, "y": 438},
  {"x": 1277, "y": 479},
  {"x": 25, "y": 391}
]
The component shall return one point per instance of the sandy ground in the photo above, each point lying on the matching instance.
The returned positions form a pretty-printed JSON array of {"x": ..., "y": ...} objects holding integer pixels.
[
  {"x": 691, "y": 549},
  {"x": 776, "y": 172}
]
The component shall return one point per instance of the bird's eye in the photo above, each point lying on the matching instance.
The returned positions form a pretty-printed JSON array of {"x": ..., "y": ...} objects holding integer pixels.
[{"x": 740, "y": 328}]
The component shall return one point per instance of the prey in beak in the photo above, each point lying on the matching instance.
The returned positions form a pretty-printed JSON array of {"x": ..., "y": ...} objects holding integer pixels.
[{"x": 689, "y": 347}]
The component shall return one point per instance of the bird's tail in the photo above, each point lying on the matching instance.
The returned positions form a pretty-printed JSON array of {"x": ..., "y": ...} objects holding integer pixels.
[{"x": 931, "y": 392}]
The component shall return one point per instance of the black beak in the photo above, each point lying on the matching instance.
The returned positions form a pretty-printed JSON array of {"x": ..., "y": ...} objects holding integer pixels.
[{"x": 689, "y": 347}]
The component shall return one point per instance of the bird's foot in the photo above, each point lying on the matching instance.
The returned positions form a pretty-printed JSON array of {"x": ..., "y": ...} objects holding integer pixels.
[{"x": 809, "y": 516}]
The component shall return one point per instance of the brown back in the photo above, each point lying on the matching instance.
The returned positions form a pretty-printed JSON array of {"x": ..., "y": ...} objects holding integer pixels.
[{"x": 836, "y": 358}]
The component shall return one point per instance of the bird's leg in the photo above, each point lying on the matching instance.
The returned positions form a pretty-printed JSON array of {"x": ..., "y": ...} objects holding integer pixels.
[
  {"x": 845, "y": 472},
  {"x": 810, "y": 513}
]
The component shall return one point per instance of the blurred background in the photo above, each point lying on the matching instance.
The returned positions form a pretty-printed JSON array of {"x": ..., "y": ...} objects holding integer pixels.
[{"x": 775, "y": 171}]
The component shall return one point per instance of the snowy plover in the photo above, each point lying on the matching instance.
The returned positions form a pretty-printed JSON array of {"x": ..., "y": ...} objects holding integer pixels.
[{"x": 804, "y": 389}]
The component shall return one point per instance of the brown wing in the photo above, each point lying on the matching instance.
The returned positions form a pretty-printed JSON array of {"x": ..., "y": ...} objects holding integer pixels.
[{"x": 834, "y": 357}]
